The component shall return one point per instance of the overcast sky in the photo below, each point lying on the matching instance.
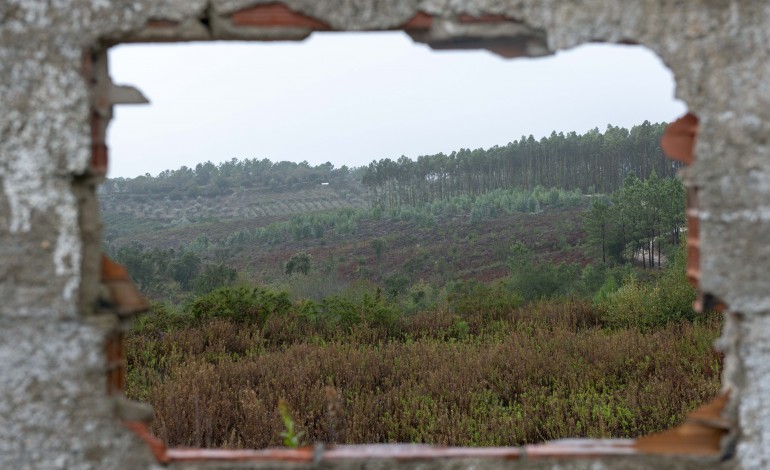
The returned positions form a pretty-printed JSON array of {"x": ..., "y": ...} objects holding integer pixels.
[{"x": 350, "y": 98}]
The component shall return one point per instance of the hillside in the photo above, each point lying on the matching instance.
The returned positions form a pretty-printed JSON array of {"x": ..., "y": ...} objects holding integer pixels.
[
  {"x": 240, "y": 204},
  {"x": 280, "y": 284},
  {"x": 453, "y": 247},
  {"x": 416, "y": 246},
  {"x": 396, "y": 224},
  {"x": 132, "y": 216}
]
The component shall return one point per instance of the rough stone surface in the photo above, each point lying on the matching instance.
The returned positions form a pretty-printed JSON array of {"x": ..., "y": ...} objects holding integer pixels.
[
  {"x": 754, "y": 382},
  {"x": 53, "y": 409}
]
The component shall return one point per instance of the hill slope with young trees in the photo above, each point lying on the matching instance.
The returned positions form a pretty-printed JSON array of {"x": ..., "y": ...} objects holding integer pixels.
[
  {"x": 437, "y": 219},
  {"x": 236, "y": 189}
]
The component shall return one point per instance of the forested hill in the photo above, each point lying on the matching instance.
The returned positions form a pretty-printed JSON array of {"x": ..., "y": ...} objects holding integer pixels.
[
  {"x": 593, "y": 162},
  {"x": 236, "y": 189},
  {"x": 442, "y": 218},
  {"x": 210, "y": 180}
]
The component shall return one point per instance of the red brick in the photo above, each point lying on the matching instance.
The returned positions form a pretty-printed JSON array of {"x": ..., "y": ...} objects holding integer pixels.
[
  {"x": 678, "y": 141},
  {"x": 420, "y": 21},
  {"x": 276, "y": 15}
]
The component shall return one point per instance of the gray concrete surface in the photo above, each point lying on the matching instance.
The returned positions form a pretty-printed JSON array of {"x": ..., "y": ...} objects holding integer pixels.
[{"x": 54, "y": 411}]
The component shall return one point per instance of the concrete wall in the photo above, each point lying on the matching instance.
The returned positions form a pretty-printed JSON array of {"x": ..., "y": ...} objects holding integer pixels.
[{"x": 55, "y": 411}]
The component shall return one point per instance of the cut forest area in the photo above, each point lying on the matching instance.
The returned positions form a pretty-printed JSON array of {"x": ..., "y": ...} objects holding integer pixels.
[{"x": 488, "y": 297}]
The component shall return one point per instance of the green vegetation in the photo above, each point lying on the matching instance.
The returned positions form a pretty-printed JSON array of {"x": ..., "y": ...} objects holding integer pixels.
[
  {"x": 345, "y": 222},
  {"x": 254, "y": 215},
  {"x": 298, "y": 263},
  {"x": 206, "y": 264},
  {"x": 240, "y": 304},
  {"x": 480, "y": 367},
  {"x": 209, "y": 180},
  {"x": 472, "y": 301},
  {"x": 637, "y": 218},
  {"x": 592, "y": 162},
  {"x": 291, "y": 438},
  {"x": 649, "y": 305}
]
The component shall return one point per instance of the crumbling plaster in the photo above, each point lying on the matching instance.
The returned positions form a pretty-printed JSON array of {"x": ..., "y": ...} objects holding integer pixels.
[{"x": 54, "y": 411}]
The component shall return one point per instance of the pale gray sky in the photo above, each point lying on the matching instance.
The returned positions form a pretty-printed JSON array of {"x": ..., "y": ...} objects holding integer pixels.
[{"x": 350, "y": 98}]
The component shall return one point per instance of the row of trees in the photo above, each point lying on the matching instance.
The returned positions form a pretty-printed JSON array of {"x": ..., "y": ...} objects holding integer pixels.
[
  {"x": 208, "y": 179},
  {"x": 591, "y": 162},
  {"x": 641, "y": 217}
]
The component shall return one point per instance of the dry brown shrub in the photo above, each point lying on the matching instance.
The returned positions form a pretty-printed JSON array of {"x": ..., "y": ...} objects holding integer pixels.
[{"x": 545, "y": 371}]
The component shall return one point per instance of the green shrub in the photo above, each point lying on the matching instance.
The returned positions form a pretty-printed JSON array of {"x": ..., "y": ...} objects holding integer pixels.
[
  {"x": 339, "y": 310},
  {"x": 652, "y": 304},
  {"x": 348, "y": 312},
  {"x": 459, "y": 330},
  {"x": 162, "y": 317},
  {"x": 309, "y": 311},
  {"x": 212, "y": 277},
  {"x": 241, "y": 304},
  {"x": 487, "y": 301},
  {"x": 540, "y": 280},
  {"x": 420, "y": 296},
  {"x": 609, "y": 287},
  {"x": 396, "y": 285}
]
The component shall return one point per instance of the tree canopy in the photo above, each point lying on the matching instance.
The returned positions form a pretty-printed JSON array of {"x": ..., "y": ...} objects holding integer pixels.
[
  {"x": 208, "y": 179},
  {"x": 593, "y": 162},
  {"x": 642, "y": 217}
]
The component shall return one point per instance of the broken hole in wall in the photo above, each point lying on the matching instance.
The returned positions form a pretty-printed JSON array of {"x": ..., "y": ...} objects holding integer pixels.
[{"x": 453, "y": 275}]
